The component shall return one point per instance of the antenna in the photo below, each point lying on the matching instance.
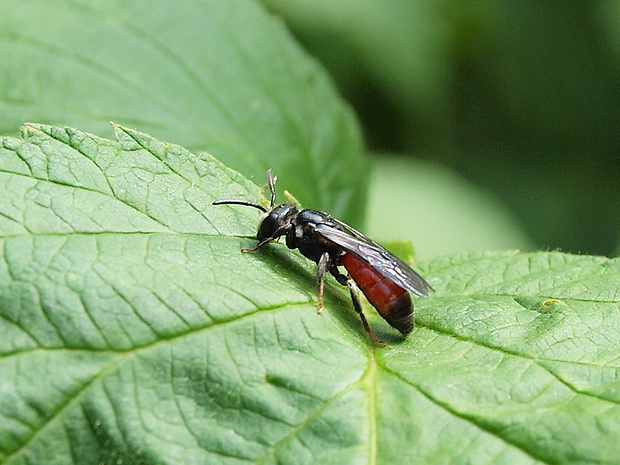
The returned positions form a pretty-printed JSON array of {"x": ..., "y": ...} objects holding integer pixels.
[
  {"x": 271, "y": 181},
  {"x": 239, "y": 202}
]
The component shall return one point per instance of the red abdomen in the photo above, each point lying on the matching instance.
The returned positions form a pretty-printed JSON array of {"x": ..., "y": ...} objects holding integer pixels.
[{"x": 391, "y": 301}]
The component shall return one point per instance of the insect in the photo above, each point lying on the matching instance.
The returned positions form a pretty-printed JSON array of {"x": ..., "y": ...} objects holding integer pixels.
[{"x": 384, "y": 279}]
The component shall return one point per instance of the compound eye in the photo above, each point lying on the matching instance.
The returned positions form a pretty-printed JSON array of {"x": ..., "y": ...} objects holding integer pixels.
[{"x": 268, "y": 227}]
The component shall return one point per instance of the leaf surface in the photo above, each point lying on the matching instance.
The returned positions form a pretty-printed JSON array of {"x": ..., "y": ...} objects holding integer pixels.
[{"x": 133, "y": 329}]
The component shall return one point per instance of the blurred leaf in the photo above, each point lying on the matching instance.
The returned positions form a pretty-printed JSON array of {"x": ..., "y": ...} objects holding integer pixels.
[
  {"x": 383, "y": 52},
  {"x": 214, "y": 75},
  {"x": 135, "y": 331},
  {"x": 440, "y": 212}
]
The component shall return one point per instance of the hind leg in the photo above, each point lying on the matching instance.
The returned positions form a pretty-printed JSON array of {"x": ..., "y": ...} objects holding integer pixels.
[{"x": 355, "y": 297}]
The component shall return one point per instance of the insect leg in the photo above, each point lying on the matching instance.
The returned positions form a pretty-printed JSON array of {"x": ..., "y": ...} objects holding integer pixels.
[
  {"x": 357, "y": 305},
  {"x": 320, "y": 274},
  {"x": 259, "y": 245},
  {"x": 354, "y": 291}
]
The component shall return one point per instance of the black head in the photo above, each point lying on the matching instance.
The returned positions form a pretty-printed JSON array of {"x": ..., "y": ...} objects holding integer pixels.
[{"x": 277, "y": 221}]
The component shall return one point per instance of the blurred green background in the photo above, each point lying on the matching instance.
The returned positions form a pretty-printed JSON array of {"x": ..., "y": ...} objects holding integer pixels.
[{"x": 505, "y": 115}]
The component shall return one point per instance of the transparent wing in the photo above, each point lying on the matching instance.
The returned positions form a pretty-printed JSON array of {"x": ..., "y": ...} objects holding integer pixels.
[{"x": 384, "y": 262}]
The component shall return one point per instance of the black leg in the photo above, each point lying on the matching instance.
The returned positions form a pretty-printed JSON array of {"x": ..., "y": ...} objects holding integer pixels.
[
  {"x": 326, "y": 264},
  {"x": 358, "y": 308}
]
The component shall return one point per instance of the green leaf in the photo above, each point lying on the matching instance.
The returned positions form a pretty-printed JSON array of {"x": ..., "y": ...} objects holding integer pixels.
[
  {"x": 216, "y": 75},
  {"x": 133, "y": 330}
]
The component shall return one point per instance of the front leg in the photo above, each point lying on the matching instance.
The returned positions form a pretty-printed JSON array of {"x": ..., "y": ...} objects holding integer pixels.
[{"x": 259, "y": 245}]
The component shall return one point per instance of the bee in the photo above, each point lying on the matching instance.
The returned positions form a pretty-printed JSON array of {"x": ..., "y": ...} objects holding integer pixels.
[{"x": 384, "y": 278}]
